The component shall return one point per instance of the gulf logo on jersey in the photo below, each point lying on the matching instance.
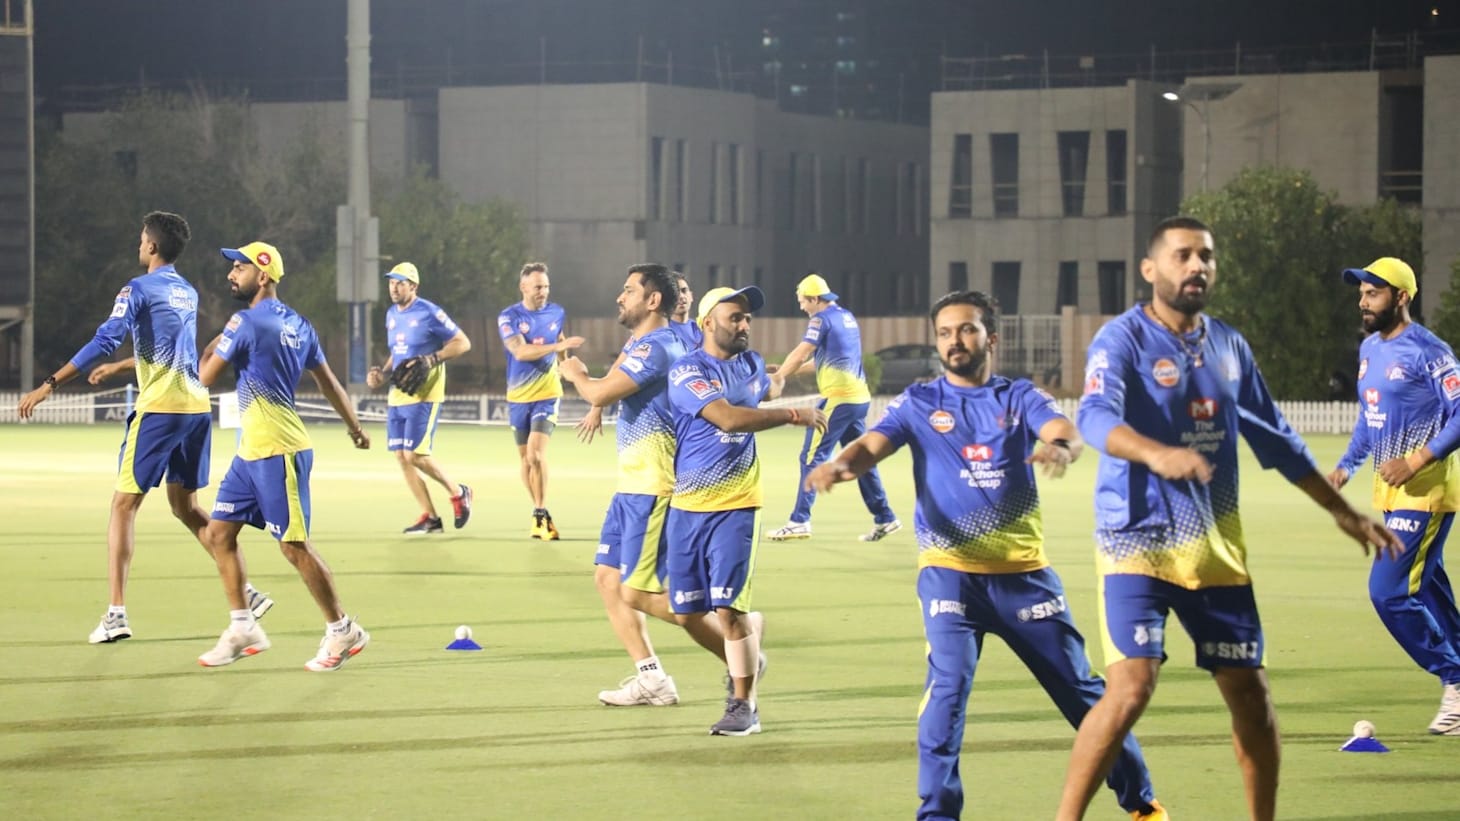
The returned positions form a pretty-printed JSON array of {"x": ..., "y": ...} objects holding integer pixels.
[
  {"x": 1165, "y": 373},
  {"x": 1202, "y": 409},
  {"x": 978, "y": 453},
  {"x": 1371, "y": 396},
  {"x": 942, "y": 421},
  {"x": 1363, "y": 367}
]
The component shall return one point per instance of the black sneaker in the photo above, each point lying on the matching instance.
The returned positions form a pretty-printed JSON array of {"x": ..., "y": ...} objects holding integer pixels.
[
  {"x": 461, "y": 506},
  {"x": 426, "y": 524}
]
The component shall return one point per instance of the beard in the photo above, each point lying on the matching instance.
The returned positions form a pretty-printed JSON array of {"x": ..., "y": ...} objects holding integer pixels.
[
  {"x": 971, "y": 367},
  {"x": 1380, "y": 321},
  {"x": 630, "y": 317},
  {"x": 732, "y": 342},
  {"x": 244, "y": 292},
  {"x": 1180, "y": 299}
]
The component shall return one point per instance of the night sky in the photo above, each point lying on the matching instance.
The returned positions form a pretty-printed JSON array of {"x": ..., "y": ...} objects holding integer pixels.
[{"x": 266, "y": 45}]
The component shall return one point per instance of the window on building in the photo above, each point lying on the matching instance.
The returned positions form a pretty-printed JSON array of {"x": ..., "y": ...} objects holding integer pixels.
[
  {"x": 681, "y": 179},
  {"x": 732, "y": 183},
  {"x": 1006, "y": 287},
  {"x": 1004, "y": 154},
  {"x": 712, "y": 276},
  {"x": 1068, "y": 292},
  {"x": 906, "y": 220},
  {"x": 656, "y": 178},
  {"x": 957, "y": 276},
  {"x": 788, "y": 215},
  {"x": 1074, "y": 148},
  {"x": 960, "y": 183},
  {"x": 814, "y": 168},
  {"x": 915, "y": 195},
  {"x": 714, "y": 200},
  {"x": 1115, "y": 172},
  {"x": 1111, "y": 276}
]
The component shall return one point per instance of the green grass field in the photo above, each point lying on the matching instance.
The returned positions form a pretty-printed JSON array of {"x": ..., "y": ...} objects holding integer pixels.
[{"x": 407, "y": 730}]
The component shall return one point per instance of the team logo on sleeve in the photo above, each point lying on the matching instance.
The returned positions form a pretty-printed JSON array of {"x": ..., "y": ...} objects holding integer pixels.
[
  {"x": 941, "y": 420},
  {"x": 506, "y": 329},
  {"x": 233, "y": 322},
  {"x": 642, "y": 351},
  {"x": 702, "y": 388},
  {"x": 1363, "y": 367},
  {"x": 1095, "y": 383},
  {"x": 1165, "y": 373},
  {"x": 1451, "y": 384}
]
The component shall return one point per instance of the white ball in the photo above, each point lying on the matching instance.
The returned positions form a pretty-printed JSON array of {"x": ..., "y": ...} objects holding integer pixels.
[
  {"x": 1363, "y": 729},
  {"x": 463, "y": 632}
]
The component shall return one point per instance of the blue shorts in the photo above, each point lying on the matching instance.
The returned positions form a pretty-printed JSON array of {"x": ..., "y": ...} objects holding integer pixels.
[
  {"x": 532, "y": 417},
  {"x": 412, "y": 427},
  {"x": 711, "y": 558},
  {"x": 632, "y": 540},
  {"x": 177, "y": 444},
  {"x": 1222, "y": 621},
  {"x": 271, "y": 493}
]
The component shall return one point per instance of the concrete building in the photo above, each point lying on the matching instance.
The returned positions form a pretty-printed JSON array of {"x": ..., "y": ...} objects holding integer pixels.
[
  {"x": 1043, "y": 198},
  {"x": 1441, "y": 174},
  {"x": 722, "y": 185}
]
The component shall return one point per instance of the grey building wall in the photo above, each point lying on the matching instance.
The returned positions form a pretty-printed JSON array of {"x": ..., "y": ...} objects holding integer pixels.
[
  {"x": 1041, "y": 236},
  {"x": 581, "y": 163},
  {"x": 1441, "y": 176},
  {"x": 1326, "y": 123}
]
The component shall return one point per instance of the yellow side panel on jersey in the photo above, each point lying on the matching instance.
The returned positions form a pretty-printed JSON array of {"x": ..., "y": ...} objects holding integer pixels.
[
  {"x": 834, "y": 383},
  {"x": 271, "y": 430},
  {"x": 1435, "y": 488},
  {"x": 162, "y": 389},
  {"x": 726, "y": 491},
  {"x": 1017, "y": 547},
  {"x": 542, "y": 386},
  {"x": 126, "y": 478},
  {"x": 1191, "y": 556},
  {"x": 646, "y": 465}
]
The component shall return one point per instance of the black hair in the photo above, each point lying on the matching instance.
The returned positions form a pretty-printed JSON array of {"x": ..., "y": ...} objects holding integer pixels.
[
  {"x": 169, "y": 232},
  {"x": 657, "y": 278},
  {"x": 1172, "y": 224},
  {"x": 987, "y": 306},
  {"x": 532, "y": 268}
]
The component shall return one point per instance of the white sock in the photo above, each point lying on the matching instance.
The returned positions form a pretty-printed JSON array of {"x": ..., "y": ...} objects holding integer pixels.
[
  {"x": 339, "y": 628},
  {"x": 241, "y": 621},
  {"x": 117, "y": 610},
  {"x": 651, "y": 668}
]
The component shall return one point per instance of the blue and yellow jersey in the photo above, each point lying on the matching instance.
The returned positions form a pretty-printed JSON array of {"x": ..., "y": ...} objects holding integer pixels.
[
  {"x": 270, "y": 347},
  {"x": 715, "y": 470},
  {"x": 838, "y": 356},
  {"x": 1139, "y": 374},
  {"x": 645, "y": 419},
  {"x": 422, "y": 328},
  {"x": 538, "y": 379},
  {"x": 160, "y": 310},
  {"x": 1409, "y": 395},
  {"x": 977, "y": 505},
  {"x": 689, "y": 333}
]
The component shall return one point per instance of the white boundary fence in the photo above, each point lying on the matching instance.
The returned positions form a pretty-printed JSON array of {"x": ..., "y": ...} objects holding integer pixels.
[{"x": 112, "y": 406}]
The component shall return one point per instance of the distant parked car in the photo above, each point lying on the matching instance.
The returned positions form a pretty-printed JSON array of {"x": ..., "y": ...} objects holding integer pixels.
[{"x": 904, "y": 365}]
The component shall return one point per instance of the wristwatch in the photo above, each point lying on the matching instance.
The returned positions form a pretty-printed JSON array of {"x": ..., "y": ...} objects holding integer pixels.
[{"x": 50, "y": 380}]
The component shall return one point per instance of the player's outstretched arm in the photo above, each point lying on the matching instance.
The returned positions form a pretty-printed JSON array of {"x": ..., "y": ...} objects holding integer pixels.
[
  {"x": 1362, "y": 529},
  {"x": 107, "y": 370},
  {"x": 1164, "y": 460},
  {"x": 526, "y": 351},
  {"x": 854, "y": 461},
  {"x": 603, "y": 391},
  {"x": 65, "y": 374},
  {"x": 340, "y": 401},
  {"x": 739, "y": 419}
]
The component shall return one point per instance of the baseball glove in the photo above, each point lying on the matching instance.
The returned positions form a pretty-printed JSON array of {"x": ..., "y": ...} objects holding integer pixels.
[{"x": 411, "y": 374}]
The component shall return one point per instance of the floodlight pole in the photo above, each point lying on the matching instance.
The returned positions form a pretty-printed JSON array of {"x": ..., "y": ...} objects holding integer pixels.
[{"x": 358, "y": 241}]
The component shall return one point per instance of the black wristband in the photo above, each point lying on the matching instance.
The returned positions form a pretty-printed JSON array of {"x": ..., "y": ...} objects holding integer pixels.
[
  {"x": 50, "y": 380},
  {"x": 1060, "y": 443}
]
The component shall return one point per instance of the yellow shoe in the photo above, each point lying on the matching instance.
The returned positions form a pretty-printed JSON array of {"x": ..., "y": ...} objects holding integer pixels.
[
  {"x": 550, "y": 530},
  {"x": 537, "y": 531},
  {"x": 1157, "y": 813}
]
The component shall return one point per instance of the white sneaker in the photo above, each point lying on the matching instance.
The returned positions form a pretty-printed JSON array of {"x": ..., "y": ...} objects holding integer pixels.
[
  {"x": 259, "y": 603},
  {"x": 112, "y": 628},
  {"x": 234, "y": 645},
  {"x": 636, "y": 690},
  {"x": 335, "y": 650},
  {"x": 881, "y": 531},
  {"x": 790, "y": 530},
  {"x": 1447, "y": 720}
]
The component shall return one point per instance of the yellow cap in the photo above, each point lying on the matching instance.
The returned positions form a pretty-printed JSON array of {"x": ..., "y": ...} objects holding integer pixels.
[
  {"x": 753, "y": 295},
  {"x": 815, "y": 285},
  {"x": 261, "y": 254},
  {"x": 404, "y": 271},
  {"x": 1385, "y": 271}
]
